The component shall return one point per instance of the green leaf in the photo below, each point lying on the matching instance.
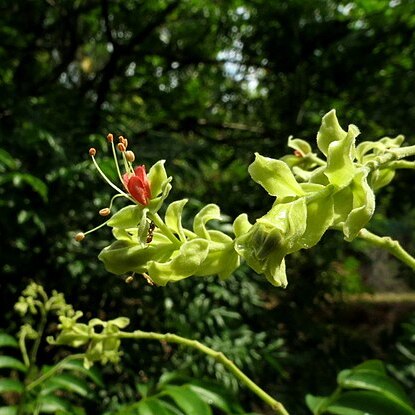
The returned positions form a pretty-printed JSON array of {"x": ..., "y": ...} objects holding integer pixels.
[
  {"x": 52, "y": 404},
  {"x": 67, "y": 382},
  {"x": 368, "y": 403},
  {"x": 212, "y": 397},
  {"x": 36, "y": 184},
  {"x": 171, "y": 408},
  {"x": 187, "y": 400},
  {"x": 275, "y": 177},
  {"x": 12, "y": 363},
  {"x": 8, "y": 341},
  {"x": 151, "y": 406},
  {"x": 8, "y": 410},
  {"x": 11, "y": 385},
  {"x": 8, "y": 160},
  {"x": 372, "y": 377},
  {"x": 78, "y": 366},
  {"x": 316, "y": 404}
]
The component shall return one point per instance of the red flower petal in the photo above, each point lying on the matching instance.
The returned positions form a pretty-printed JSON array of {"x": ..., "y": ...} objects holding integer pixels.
[{"x": 138, "y": 191}]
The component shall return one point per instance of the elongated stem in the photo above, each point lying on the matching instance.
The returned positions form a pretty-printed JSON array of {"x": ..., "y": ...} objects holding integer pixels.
[
  {"x": 218, "y": 356},
  {"x": 59, "y": 366},
  {"x": 392, "y": 246}
]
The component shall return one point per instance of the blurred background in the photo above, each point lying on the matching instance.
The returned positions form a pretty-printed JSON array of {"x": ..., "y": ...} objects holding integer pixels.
[{"x": 204, "y": 85}]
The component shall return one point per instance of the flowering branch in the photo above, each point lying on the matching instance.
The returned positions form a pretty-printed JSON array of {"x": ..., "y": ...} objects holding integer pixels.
[{"x": 102, "y": 340}]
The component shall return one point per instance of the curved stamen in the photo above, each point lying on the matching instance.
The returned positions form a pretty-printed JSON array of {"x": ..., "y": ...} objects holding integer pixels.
[{"x": 110, "y": 182}]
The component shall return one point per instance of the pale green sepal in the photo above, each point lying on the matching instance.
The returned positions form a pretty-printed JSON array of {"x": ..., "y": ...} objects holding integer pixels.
[
  {"x": 289, "y": 218},
  {"x": 330, "y": 131},
  {"x": 368, "y": 150},
  {"x": 120, "y": 322},
  {"x": 340, "y": 166},
  {"x": 312, "y": 187},
  {"x": 317, "y": 176},
  {"x": 222, "y": 260},
  {"x": 343, "y": 204},
  {"x": 124, "y": 256},
  {"x": 300, "y": 145},
  {"x": 209, "y": 212},
  {"x": 229, "y": 263},
  {"x": 121, "y": 234},
  {"x": 302, "y": 174},
  {"x": 173, "y": 218},
  {"x": 278, "y": 277},
  {"x": 320, "y": 215},
  {"x": 275, "y": 177},
  {"x": 363, "y": 206},
  {"x": 185, "y": 264},
  {"x": 381, "y": 178},
  {"x": 273, "y": 236},
  {"x": 156, "y": 203},
  {"x": 128, "y": 217},
  {"x": 241, "y": 225},
  {"x": 157, "y": 177}
]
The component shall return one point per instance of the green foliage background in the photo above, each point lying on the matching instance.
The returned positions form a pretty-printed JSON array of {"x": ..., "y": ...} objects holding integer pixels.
[{"x": 204, "y": 84}]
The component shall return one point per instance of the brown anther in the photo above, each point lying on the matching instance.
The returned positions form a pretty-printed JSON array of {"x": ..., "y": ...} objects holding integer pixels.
[
  {"x": 110, "y": 138},
  {"x": 148, "y": 279},
  {"x": 123, "y": 140},
  {"x": 130, "y": 156},
  {"x": 121, "y": 147},
  {"x": 79, "y": 236},
  {"x": 92, "y": 152},
  {"x": 105, "y": 212},
  {"x": 298, "y": 153}
]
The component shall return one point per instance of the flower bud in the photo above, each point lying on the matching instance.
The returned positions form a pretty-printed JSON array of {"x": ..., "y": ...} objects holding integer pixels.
[
  {"x": 92, "y": 152},
  {"x": 121, "y": 147},
  {"x": 110, "y": 138},
  {"x": 130, "y": 156},
  {"x": 105, "y": 212},
  {"x": 79, "y": 236}
]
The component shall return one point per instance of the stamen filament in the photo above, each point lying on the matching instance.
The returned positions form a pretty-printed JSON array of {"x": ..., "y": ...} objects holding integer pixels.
[
  {"x": 116, "y": 161},
  {"x": 112, "y": 200},
  {"x": 110, "y": 182},
  {"x": 96, "y": 228},
  {"x": 128, "y": 167}
]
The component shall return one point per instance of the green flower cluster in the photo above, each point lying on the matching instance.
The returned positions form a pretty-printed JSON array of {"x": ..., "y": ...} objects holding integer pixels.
[
  {"x": 312, "y": 195},
  {"x": 99, "y": 336}
]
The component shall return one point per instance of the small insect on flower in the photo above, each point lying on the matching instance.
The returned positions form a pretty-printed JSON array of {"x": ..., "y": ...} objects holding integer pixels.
[{"x": 150, "y": 232}]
